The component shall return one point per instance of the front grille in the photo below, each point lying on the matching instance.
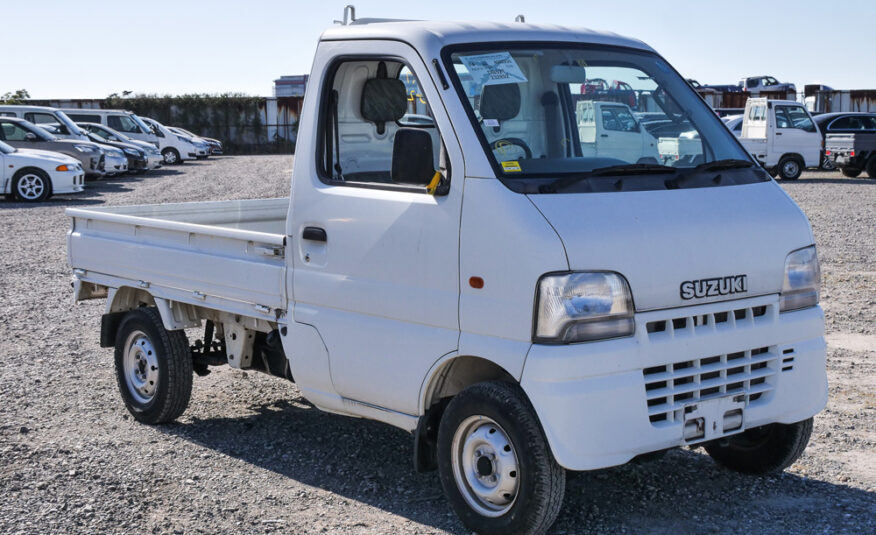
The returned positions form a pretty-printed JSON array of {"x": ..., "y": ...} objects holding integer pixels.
[
  {"x": 693, "y": 324},
  {"x": 671, "y": 387}
]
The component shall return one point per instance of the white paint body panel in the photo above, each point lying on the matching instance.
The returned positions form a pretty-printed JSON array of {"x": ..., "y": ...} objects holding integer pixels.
[{"x": 72, "y": 181}]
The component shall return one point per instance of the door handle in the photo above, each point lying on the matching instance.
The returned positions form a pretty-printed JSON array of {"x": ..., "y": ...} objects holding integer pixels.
[
  {"x": 314, "y": 234},
  {"x": 603, "y": 135},
  {"x": 778, "y": 133}
]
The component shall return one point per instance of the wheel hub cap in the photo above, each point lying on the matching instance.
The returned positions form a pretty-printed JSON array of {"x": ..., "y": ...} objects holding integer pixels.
[
  {"x": 141, "y": 367},
  {"x": 30, "y": 186},
  {"x": 485, "y": 466}
]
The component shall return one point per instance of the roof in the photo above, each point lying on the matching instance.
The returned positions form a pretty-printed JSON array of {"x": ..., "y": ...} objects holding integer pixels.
[{"x": 433, "y": 35}]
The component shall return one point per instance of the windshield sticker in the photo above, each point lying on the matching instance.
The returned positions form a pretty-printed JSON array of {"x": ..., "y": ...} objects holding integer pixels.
[
  {"x": 493, "y": 69},
  {"x": 511, "y": 167},
  {"x": 491, "y": 122}
]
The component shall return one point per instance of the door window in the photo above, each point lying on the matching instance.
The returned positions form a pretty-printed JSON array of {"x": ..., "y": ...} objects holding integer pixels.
[
  {"x": 793, "y": 117},
  {"x": 366, "y": 103},
  {"x": 46, "y": 118},
  {"x": 618, "y": 119},
  {"x": 853, "y": 122},
  {"x": 12, "y": 132},
  {"x": 80, "y": 118},
  {"x": 123, "y": 124}
]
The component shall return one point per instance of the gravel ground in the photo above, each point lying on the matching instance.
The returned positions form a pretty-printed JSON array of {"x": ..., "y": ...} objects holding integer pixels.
[{"x": 251, "y": 456}]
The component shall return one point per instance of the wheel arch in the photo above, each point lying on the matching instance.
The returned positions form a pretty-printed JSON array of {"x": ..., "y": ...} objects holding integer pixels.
[
  {"x": 174, "y": 315},
  {"x": 32, "y": 168}
]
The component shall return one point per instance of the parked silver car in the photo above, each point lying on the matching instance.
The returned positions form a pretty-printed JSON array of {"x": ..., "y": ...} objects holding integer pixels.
[{"x": 26, "y": 135}]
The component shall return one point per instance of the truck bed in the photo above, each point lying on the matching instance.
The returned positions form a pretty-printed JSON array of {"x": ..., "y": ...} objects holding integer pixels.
[
  {"x": 227, "y": 255},
  {"x": 847, "y": 142}
]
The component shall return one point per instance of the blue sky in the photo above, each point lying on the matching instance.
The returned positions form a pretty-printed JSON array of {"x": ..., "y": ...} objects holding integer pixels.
[{"x": 90, "y": 48}]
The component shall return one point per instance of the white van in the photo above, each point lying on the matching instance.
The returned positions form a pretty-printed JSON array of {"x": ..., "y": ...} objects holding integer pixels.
[
  {"x": 174, "y": 147},
  {"x": 40, "y": 115},
  {"x": 121, "y": 120}
]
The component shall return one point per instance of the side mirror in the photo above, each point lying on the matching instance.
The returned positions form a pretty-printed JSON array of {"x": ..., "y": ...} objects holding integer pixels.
[
  {"x": 30, "y": 136},
  {"x": 413, "y": 161}
]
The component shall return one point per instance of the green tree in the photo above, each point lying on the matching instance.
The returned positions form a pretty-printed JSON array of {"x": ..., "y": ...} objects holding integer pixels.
[{"x": 17, "y": 97}]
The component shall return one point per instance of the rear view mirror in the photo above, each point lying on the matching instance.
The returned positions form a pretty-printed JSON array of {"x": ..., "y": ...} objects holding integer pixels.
[
  {"x": 413, "y": 161},
  {"x": 568, "y": 74}
]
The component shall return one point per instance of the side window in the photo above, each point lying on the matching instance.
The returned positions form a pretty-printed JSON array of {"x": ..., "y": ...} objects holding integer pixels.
[
  {"x": 843, "y": 123},
  {"x": 623, "y": 119},
  {"x": 782, "y": 120},
  {"x": 869, "y": 123},
  {"x": 12, "y": 132},
  {"x": 797, "y": 118},
  {"x": 376, "y": 127},
  {"x": 751, "y": 82},
  {"x": 79, "y": 118},
  {"x": 609, "y": 121},
  {"x": 45, "y": 118}
]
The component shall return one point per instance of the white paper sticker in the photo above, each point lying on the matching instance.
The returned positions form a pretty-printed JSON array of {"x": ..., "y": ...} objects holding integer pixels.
[
  {"x": 491, "y": 122},
  {"x": 493, "y": 69}
]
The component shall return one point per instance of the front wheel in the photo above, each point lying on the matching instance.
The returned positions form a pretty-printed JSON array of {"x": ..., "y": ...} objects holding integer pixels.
[
  {"x": 153, "y": 367},
  {"x": 762, "y": 450},
  {"x": 31, "y": 185},
  {"x": 494, "y": 462},
  {"x": 171, "y": 156}
]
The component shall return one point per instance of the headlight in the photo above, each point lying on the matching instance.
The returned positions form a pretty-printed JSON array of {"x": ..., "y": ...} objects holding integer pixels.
[
  {"x": 85, "y": 148},
  {"x": 134, "y": 152},
  {"x": 802, "y": 282},
  {"x": 583, "y": 306}
]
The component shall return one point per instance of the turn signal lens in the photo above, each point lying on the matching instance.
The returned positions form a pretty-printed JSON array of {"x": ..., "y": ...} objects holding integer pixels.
[{"x": 62, "y": 168}]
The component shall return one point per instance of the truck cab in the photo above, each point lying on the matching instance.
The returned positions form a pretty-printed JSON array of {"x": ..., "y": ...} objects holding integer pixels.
[
  {"x": 521, "y": 307},
  {"x": 782, "y": 136}
]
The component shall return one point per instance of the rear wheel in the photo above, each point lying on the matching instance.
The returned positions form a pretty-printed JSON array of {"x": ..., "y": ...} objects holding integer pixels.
[
  {"x": 762, "y": 450},
  {"x": 790, "y": 168},
  {"x": 494, "y": 462},
  {"x": 851, "y": 172},
  {"x": 871, "y": 166},
  {"x": 153, "y": 367},
  {"x": 171, "y": 156},
  {"x": 32, "y": 185},
  {"x": 827, "y": 164}
]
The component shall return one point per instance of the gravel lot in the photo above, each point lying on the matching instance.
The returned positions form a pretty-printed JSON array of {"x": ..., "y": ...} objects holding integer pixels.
[{"x": 251, "y": 456}]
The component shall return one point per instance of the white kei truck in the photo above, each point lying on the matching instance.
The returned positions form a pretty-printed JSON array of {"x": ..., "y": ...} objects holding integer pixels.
[
  {"x": 782, "y": 136},
  {"x": 520, "y": 312}
]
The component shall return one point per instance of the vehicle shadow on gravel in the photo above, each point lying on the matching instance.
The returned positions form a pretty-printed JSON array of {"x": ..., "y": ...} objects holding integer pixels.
[{"x": 684, "y": 492}]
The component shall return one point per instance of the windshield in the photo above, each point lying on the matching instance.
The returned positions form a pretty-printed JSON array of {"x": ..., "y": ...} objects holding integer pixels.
[
  {"x": 6, "y": 149},
  {"x": 573, "y": 109},
  {"x": 71, "y": 126}
]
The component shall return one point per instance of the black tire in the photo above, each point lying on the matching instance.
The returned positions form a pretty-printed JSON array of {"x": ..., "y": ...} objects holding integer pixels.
[
  {"x": 851, "y": 172},
  {"x": 790, "y": 168},
  {"x": 164, "y": 362},
  {"x": 539, "y": 481},
  {"x": 827, "y": 164},
  {"x": 171, "y": 156},
  {"x": 773, "y": 171},
  {"x": 763, "y": 450},
  {"x": 31, "y": 185},
  {"x": 871, "y": 166}
]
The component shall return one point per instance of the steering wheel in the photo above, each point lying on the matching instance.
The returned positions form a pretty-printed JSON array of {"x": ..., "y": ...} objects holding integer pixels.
[{"x": 500, "y": 145}]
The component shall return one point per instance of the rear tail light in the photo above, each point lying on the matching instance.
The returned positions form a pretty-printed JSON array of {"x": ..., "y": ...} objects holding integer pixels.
[
  {"x": 827, "y": 152},
  {"x": 852, "y": 154}
]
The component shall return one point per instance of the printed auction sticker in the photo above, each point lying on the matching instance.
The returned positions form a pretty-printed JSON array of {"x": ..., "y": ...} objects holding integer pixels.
[
  {"x": 493, "y": 69},
  {"x": 511, "y": 167}
]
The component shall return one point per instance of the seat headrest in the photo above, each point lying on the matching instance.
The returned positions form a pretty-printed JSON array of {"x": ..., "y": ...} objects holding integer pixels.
[
  {"x": 500, "y": 102},
  {"x": 383, "y": 99}
]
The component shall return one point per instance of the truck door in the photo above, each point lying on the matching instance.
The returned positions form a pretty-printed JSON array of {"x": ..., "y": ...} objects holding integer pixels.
[
  {"x": 796, "y": 134},
  {"x": 376, "y": 255},
  {"x": 620, "y": 136}
]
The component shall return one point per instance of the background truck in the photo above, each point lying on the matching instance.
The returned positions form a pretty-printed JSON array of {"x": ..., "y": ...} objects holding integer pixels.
[
  {"x": 575, "y": 312},
  {"x": 782, "y": 136},
  {"x": 852, "y": 153},
  {"x": 610, "y": 130}
]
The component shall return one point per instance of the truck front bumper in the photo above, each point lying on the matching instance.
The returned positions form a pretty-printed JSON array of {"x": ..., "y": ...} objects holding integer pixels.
[{"x": 722, "y": 367}]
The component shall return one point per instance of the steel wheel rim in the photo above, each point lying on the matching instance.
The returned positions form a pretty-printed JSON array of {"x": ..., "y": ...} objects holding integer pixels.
[
  {"x": 141, "y": 367},
  {"x": 790, "y": 168},
  {"x": 31, "y": 186},
  {"x": 485, "y": 466}
]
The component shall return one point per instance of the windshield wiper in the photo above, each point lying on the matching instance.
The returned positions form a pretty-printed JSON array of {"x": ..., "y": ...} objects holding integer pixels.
[
  {"x": 717, "y": 165},
  {"x": 613, "y": 170}
]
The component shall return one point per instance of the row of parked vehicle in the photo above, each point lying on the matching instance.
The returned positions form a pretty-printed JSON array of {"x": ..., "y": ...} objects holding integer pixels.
[{"x": 46, "y": 151}]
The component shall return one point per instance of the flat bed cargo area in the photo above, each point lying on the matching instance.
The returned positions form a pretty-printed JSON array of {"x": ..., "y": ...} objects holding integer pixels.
[{"x": 228, "y": 254}]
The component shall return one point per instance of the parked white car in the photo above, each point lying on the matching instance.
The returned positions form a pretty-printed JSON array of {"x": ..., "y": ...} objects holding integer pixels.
[
  {"x": 40, "y": 115},
  {"x": 174, "y": 147},
  {"x": 123, "y": 121},
  {"x": 35, "y": 175},
  {"x": 214, "y": 145},
  {"x": 153, "y": 155},
  {"x": 520, "y": 312},
  {"x": 782, "y": 136}
]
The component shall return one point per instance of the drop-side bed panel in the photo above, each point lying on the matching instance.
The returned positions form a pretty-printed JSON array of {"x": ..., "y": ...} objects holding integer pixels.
[{"x": 231, "y": 250}]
